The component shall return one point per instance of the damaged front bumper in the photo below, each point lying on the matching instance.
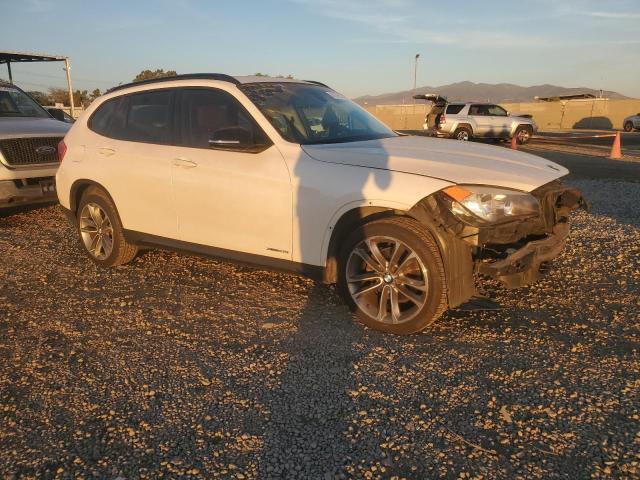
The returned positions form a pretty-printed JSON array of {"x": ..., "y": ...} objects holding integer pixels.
[
  {"x": 513, "y": 252},
  {"x": 522, "y": 267}
]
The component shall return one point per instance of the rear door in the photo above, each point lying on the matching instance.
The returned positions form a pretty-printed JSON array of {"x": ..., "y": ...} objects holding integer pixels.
[{"x": 131, "y": 157}]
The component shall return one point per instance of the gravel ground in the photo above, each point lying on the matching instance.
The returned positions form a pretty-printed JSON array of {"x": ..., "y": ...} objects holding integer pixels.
[{"x": 183, "y": 366}]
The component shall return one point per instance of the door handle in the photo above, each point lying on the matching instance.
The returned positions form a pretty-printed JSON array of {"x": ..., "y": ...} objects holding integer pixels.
[
  {"x": 184, "y": 163},
  {"x": 107, "y": 152}
]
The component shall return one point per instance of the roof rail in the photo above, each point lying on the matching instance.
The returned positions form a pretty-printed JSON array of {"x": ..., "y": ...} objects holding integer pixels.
[
  {"x": 188, "y": 76},
  {"x": 317, "y": 83}
]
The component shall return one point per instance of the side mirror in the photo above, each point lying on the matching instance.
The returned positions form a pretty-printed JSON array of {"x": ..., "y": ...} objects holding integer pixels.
[{"x": 231, "y": 138}]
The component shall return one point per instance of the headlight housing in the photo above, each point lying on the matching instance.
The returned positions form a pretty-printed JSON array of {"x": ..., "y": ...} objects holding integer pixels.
[{"x": 478, "y": 204}]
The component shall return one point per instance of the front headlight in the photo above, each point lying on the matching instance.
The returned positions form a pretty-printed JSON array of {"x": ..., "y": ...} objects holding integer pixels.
[{"x": 489, "y": 204}]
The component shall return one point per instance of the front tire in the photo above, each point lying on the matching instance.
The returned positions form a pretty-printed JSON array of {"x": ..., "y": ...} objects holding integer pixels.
[
  {"x": 523, "y": 134},
  {"x": 392, "y": 276},
  {"x": 628, "y": 127},
  {"x": 100, "y": 230}
]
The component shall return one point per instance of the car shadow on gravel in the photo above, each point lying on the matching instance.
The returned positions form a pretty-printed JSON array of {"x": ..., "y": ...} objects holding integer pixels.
[
  {"x": 11, "y": 211},
  {"x": 309, "y": 409}
]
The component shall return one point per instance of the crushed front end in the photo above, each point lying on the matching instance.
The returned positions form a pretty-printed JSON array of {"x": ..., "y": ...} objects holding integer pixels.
[{"x": 504, "y": 234}]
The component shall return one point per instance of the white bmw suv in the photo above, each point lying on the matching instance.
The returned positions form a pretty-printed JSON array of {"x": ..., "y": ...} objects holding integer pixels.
[{"x": 291, "y": 175}]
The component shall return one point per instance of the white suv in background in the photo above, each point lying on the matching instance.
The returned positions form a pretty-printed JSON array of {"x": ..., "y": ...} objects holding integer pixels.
[
  {"x": 464, "y": 121},
  {"x": 290, "y": 174}
]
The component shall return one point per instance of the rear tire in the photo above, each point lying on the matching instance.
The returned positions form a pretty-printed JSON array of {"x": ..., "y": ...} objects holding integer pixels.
[
  {"x": 100, "y": 230},
  {"x": 464, "y": 134},
  {"x": 392, "y": 276},
  {"x": 628, "y": 127},
  {"x": 523, "y": 134}
]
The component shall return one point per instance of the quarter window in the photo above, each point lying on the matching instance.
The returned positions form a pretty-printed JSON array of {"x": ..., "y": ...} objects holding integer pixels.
[
  {"x": 101, "y": 119},
  {"x": 454, "y": 109},
  {"x": 496, "y": 111}
]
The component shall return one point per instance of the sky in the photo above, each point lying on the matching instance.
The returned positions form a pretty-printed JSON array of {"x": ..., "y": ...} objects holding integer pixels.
[{"x": 357, "y": 47}]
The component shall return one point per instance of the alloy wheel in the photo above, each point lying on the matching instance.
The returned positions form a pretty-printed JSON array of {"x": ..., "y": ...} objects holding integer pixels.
[
  {"x": 387, "y": 280},
  {"x": 96, "y": 231},
  {"x": 463, "y": 136},
  {"x": 523, "y": 136}
]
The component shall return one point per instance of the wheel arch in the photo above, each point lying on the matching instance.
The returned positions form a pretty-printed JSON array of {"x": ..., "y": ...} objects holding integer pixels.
[
  {"x": 456, "y": 254},
  {"x": 462, "y": 125},
  {"x": 346, "y": 223},
  {"x": 517, "y": 125},
  {"x": 78, "y": 188}
]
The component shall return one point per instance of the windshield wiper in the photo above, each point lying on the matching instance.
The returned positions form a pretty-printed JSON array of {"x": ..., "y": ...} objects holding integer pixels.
[{"x": 346, "y": 139}]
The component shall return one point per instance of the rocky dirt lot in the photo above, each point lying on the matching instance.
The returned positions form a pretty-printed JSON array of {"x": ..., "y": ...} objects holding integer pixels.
[{"x": 178, "y": 366}]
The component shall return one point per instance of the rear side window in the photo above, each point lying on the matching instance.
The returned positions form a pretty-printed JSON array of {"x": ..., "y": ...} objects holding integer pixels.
[
  {"x": 148, "y": 117},
  {"x": 141, "y": 117},
  {"x": 480, "y": 110},
  {"x": 454, "y": 109}
]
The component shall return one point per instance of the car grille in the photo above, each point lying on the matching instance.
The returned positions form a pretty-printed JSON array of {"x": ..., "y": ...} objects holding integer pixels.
[{"x": 20, "y": 152}]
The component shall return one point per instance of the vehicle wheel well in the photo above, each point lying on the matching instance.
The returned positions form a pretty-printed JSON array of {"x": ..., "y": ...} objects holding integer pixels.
[
  {"x": 78, "y": 188},
  {"x": 343, "y": 227},
  {"x": 464, "y": 125}
]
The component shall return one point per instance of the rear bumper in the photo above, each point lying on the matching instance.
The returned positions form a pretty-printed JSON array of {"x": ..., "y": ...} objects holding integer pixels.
[
  {"x": 12, "y": 193},
  {"x": 522, "y": 267}
]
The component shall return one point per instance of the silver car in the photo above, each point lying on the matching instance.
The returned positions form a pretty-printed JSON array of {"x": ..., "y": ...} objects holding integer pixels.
[
  {"x": 464, "y": 121},
  {"x": 631, "y": 123}
]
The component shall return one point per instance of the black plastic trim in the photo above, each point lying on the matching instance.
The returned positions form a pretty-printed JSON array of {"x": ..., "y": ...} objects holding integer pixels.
[
  {"x": 188, "y": 76},
  {"x": 257, "y": 261}
]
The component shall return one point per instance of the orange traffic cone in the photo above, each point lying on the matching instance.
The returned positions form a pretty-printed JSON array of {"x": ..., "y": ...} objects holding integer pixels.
[
  {"x": 616, "y": 151},
  {"x": 514, "y": 142}
]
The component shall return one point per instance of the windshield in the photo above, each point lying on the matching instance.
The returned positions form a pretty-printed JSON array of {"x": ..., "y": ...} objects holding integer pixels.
[
  {"x": 15, "y": 103},
  {"x": 309, "y": 114}
]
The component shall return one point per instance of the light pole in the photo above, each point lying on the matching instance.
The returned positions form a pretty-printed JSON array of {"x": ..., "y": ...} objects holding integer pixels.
[
  {"x": 415, "y": 80},
  {"x": 415, "y": 75}
]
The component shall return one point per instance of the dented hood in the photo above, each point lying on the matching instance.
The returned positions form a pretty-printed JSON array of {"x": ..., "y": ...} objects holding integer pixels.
[{"x": 451, "y": 160}]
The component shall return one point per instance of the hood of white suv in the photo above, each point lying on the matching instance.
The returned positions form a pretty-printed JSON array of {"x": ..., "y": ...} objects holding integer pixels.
[
  {"x": 451, "y": 160},
  {"x": 15, "y": 127}
]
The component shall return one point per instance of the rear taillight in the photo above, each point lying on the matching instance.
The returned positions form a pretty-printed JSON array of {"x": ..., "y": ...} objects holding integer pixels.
[
  {"x": 442, "y": 120},
  {"x": 62, "y": 149}
]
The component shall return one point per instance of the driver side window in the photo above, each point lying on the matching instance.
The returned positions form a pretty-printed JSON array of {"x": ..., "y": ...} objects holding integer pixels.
[
  {"x": 497, "y": 111},
  {"x": 214, "y": 119}
]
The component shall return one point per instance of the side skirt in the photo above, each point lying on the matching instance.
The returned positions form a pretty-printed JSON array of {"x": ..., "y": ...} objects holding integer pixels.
[{"x": 314, "y": 272}]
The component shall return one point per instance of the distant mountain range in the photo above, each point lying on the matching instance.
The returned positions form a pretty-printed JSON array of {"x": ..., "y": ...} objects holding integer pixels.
[{"x": 483, "y": 92}]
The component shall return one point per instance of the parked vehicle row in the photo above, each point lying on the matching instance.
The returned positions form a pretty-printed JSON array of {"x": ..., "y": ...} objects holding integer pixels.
[
  {"x": 292, "y": 175},
  {"x": 464, "y": 121}
]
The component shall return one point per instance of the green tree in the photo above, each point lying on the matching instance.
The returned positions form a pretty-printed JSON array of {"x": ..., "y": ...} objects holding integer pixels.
[
  {"x": 277, "y": 76},
  {"x": 40, "y": 97},
  {"x": 81, "y": 98},
  {"x": 95, "y": 94},
  {"x": 150, "y": 74},
  {"x": 59, "y": 95}
]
